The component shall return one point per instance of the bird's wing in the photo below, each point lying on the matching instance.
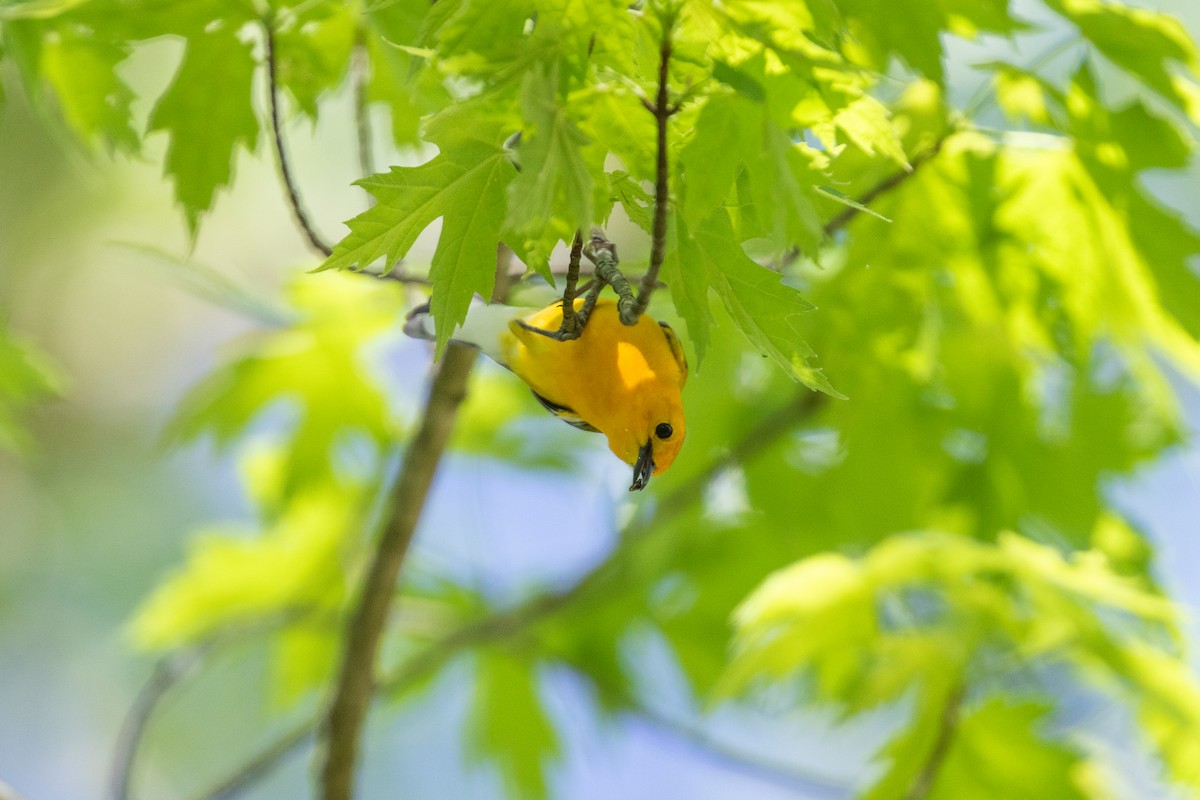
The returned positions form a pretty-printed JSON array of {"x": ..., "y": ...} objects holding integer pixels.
[
  {"x": 677, "y": 351},
  {"x": 567, "y": 415}
]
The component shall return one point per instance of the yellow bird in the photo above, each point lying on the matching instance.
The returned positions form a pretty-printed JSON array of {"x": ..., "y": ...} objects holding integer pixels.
[{"x": 624, "y": 381}]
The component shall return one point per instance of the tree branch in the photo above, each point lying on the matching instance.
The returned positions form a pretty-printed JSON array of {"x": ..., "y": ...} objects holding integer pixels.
[
  {"x": 947, "y": 727},
  {"x": 169, "y": 671},
  {"x": 600, "y": 581},
  {"x": 663, "y": 111},
  {"x": 571, "y": 326},
  {"x": 847, "y": 214},
  {"x": 356, "y": 680},
  {"x": 739, "y": 759},
  {"x": 264, "y": 761},
  {"x": 285, "y": 170},
  {"x": 355, "y": 684}
]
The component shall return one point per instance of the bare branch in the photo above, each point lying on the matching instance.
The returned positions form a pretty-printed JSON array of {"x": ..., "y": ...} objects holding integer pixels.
[
  {"x": 356, "y": 680},
  {"x": 663, "y": 110},
  {"x": 571, "y": 327},
  {"x": 740, "y": 759},
  {"x": 169, "y": 671},
  {"x": 848, "y": 213},
  {"x": 263, "y": 762},
  {"x": 285, "y": 170},
  {"x": 601, "y": 581}
]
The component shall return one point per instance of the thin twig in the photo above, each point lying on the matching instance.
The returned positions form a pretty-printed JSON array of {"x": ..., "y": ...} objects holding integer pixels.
[
  {"x": 663, "y": 111},
  {"x": 285, "y": 170},
  {"x": 599, "y": 582},
  {"x": 356, "y": 679},
  {"x": 571, "y": 327},
  {"x": 740, "y": 759},
  {"x": 359, "y": 67},
  {"x": 8, "y": 793},
  {"x": 947, "y": 726},
  {"x": 264, "y": 761},
  {"x": 169, "y": 671},
  {"x": 848, "y": 213}
]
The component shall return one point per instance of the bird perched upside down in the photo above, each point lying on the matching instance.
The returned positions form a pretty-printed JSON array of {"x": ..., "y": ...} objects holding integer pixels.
[{"x": 620, "y": 380}]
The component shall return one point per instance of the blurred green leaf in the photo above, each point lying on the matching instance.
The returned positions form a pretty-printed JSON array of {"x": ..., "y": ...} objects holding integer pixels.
[
  {"x": 27, "y": 378},
  {"x": 316, "y": 370},
  {"x": 1151, "y": 45},
  {"x": 509, "y": 725},
  {"x": 222, "y": 583},
  {"x": 207, "y": 113},
  {"x": 998, "y": 752},
  {"x": 93, "y": 98},
  {"x": 313, "y": 53}
]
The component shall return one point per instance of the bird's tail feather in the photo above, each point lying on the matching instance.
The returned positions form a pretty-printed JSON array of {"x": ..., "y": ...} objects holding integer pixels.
[{"x": 484, "y": 328}]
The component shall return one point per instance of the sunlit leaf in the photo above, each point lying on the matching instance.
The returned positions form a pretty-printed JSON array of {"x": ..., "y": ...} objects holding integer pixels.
[{"x": 464, "y": 187}]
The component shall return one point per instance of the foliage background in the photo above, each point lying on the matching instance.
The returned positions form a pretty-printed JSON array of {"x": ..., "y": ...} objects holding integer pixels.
[{"x": 95, "y": 517}]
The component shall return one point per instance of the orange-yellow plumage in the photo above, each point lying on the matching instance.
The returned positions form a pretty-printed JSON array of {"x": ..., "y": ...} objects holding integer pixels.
[{"x": 623, "y": 380}]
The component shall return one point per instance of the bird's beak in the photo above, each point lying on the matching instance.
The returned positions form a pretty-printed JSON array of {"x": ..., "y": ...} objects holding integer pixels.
[{"x": 643, "y": 468}]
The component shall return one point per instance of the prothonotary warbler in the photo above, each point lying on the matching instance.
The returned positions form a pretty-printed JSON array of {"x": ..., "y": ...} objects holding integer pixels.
[{"x": 624, "y": 381}]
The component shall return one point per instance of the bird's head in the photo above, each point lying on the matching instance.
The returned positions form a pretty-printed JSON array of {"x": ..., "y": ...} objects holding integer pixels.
[{"x": 652, "y": 439}]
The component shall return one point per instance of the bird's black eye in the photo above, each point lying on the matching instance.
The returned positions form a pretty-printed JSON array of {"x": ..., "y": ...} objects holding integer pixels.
[{"x": 664, "y": 430}]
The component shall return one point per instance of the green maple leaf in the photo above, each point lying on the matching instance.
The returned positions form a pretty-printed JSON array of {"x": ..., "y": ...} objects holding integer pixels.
[
  {"x": 465, "y": 186},
  {"x": 765, "y": 309},
  {"x": 553, "y": 192},
  {"x": 1144, "y": 43},
  {"x": 208, "y": 112},
  {"x": 26, "y": 378}
]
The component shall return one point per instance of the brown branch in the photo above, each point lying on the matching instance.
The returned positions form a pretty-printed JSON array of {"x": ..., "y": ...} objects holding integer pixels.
[
  {"x": 285, "y": 170},
  {"x": 356, "y": 679},
  {"x": 261, "y": 765},
  {"x": 601, "y": 581},
  {"x": 571, "y": 327},
  {"x": 947, "y": 726},
  {"x": 847, "y": 214},
  {"x": 663, "y": 111}
]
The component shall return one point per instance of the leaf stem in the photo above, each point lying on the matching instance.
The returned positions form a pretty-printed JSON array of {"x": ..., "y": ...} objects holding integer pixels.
[{"x": 285, "y": 170}]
